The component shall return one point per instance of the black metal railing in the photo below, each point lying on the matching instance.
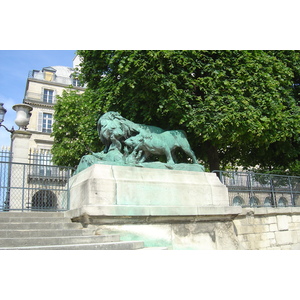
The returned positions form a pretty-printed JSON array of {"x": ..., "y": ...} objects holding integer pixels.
[
  {"x": 257, "y": 189},
  {"x": 27, "y": 187}
]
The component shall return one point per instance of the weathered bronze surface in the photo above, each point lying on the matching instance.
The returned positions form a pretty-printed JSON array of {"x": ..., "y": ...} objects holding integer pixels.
[{"x": 131, "y": 144}]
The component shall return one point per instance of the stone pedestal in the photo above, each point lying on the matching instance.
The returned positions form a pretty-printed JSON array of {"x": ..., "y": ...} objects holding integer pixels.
[
  {"x": 165, "y": 208},
  {"x": 121, "y": 185}
]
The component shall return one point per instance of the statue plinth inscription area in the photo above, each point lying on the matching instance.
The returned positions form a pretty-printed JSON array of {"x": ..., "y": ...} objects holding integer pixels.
[{"x": 122, "y": 179}]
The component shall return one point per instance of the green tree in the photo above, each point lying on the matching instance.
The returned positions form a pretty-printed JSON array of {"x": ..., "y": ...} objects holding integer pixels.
[
  {"x": 237, "y": 107},
  {"x": 74, "y": 129}
]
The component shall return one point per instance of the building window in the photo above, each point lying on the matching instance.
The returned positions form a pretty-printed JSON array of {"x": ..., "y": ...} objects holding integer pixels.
[
  {"x": 48, "y": 96},
  {"x": 47, "y": 123},
  {"x": 48, "y": 76},
  {"x": 49, "y": 73},
  {"x": 44, "y": 200},
  {"x": 41, "y": 160},
  {"x": 76, "y": 82}
]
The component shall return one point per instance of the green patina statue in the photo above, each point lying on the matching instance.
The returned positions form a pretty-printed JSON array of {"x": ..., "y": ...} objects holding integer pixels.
[{"x": 130, "y": 144}]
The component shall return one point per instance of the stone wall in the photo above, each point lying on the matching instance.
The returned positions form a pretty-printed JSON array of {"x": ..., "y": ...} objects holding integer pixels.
[
  {"x": 268, "y": 228},
  {"x": 213, "y": 228},
  {"x": 176, "y": 209}
]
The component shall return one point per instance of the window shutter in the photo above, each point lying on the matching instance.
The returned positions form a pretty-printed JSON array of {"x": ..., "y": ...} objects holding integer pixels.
[
  {"x": 40, "y": 121},
  {"x": 54, "y": 97}
]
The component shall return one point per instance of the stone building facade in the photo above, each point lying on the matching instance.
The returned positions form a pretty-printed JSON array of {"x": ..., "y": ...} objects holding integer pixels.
[
  {"x": 42, "y": 88},
  {"x": 35, "y": 183}
]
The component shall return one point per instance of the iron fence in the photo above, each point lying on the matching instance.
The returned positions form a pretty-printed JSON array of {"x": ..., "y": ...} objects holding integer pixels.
[
  {"x": 5, "y": 154},
  {"x": 257, "y": 189},
  {"x": 33, "y": 187}
]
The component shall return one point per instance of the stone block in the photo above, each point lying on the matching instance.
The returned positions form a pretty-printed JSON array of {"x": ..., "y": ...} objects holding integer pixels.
[
  {"x": 243, "y": 237},
  {"x": 240, "y": 222},
  {"x": 258, "y": 220},
  {"x": 285, "y": 247},
  {"x": 87, "y": 189},
  {"x": 295, "y": 210},
  {"x": 245, "y": 229},
  {"x": 273, "y": 227},
  {"x": 295, "y": 246},
  {"x": 296, "y": 218},
  {"x": 264, "y": 244},
  {"x": 294, "y": 226},
  {"x": 260, "y": 228},
  {"x": 121, "y": 185},
  {"x": 283, "y": 237},
  {"x": 272, "y": 210},
  {"x": 273, "y": 242},
  {"x": 254, "y": 241},
  {"x": 283, "y": 222},
  {"x": 269, "y": 220},
  {"x": 268, "y": 236},
  {"x": 295, "y": 235},
  {"x": 244, "y": 246}
]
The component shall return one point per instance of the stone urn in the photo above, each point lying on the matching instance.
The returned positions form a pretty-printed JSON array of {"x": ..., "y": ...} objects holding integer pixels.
[{"x": 23, "y": 115}]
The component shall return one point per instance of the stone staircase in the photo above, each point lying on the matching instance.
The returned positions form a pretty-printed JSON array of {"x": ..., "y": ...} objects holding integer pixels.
[{"x": 53, "y": 231}]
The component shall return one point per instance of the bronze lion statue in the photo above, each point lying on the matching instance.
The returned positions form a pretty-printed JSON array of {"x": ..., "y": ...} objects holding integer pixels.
[
  {"x": 129, "y": 143},
  {"x": 113, "y": 130}
]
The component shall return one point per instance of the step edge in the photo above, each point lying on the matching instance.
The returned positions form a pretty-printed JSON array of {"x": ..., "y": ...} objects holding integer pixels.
[{"x": 73, "y": 245}]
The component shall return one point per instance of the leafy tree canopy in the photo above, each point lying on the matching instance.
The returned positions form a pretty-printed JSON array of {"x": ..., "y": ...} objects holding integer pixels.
[{"x": 237, "y": 107}]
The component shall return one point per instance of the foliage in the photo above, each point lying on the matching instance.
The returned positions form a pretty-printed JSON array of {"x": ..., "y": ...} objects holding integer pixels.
[
  {"x": 237, "y": 107},
  {"x": 74, "y": 129}
]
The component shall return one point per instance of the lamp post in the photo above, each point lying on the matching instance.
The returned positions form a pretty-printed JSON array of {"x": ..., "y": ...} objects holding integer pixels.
[
  {"x": 22, "y": 120},
  {"x": 7, "y": 199},
  {"x": 2, "y": 115}
]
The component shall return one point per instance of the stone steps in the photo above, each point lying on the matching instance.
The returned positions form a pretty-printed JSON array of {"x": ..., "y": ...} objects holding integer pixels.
[
  {"x": 53, "y": 231},
  {"x": 26, "y": 214},
  {"x": 33, "y": 220},
  {"x": 120, "y": 245},
  {"x": 56, "y": 240},
  {"x": 39, "y": 226},
  {"x": 154, "y": 248},
  {"x": 30, "y": 233}
]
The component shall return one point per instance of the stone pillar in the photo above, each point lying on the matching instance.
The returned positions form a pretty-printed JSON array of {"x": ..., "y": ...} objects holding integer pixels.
[
  {"x": 18, "y": 198},
  {"x": 20, "y": 146}
]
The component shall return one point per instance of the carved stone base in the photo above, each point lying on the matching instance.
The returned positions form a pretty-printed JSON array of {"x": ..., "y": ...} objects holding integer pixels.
[{"x": 121, "y": 185}]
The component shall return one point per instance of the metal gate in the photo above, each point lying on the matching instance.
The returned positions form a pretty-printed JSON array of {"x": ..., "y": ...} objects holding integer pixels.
[{"x": 34, "y": 187}]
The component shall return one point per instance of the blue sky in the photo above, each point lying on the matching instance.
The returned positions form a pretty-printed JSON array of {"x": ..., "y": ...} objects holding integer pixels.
[{"x": 14, "y": 68}]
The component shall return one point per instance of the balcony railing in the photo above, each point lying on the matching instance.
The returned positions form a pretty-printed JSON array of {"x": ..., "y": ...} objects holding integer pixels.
[
  {"x": 39, "y": 97},
  {"x": 56, "y": 79}
]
